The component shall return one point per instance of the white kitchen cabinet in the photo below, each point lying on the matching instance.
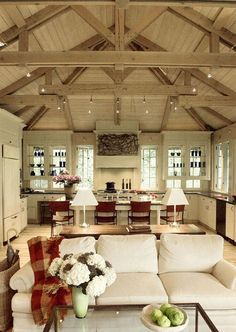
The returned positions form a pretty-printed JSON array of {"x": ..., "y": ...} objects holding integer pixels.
[
  {"x": 23, "y": 213},
  {"x": 207, "y": 211},
  {"x": 11, "y": 226},
  {"x": 191, "y": 211},
  {"x": 34, "y": 213},
  {"x": 230, "y": 221}
]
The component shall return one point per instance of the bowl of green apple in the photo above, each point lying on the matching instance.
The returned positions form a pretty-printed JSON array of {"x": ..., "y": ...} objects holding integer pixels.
[{"x": 164, "y": 317}]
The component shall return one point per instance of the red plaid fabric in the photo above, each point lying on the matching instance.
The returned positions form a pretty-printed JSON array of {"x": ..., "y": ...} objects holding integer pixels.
[{"x": 42, "y": 252}]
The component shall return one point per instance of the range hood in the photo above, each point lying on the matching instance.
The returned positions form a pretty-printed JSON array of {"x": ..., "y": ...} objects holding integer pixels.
[{"x": 117, "y": 145}]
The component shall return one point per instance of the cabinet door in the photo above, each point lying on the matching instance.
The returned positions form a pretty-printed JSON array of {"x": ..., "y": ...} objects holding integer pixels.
[
  {"x": 229, "y": 222},
  {"x": 202, "y": 210},
  {"x": 211, "y": 217},
  {"x": 23, "y": 213},
  {"x": 11, "y": 226},
  {"x": 191, "y": 210}
]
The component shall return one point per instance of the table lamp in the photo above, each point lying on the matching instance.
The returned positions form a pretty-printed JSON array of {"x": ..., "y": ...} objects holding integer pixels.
[
  {"x": 83, "y": 197},
  {"x": 174, "y": 197}
]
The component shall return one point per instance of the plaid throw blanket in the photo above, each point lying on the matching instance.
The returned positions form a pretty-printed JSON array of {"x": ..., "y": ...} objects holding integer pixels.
[{"x": 47, "y": 291}]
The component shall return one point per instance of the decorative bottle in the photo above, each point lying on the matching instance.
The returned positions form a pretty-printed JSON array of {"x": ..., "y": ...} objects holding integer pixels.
[
  {"x": 129, "y": 184},
  {"x": 123, "y": 184}
]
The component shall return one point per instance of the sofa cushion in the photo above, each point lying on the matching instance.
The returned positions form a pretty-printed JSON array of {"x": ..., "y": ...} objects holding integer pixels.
[
  {"x": 77, "y": 245},
  {"x": 192, "y": 253},
  {"x": 134, "y": 288},
  {"x": 129, "y": 253},
  {"x": 199, "y": 287}
]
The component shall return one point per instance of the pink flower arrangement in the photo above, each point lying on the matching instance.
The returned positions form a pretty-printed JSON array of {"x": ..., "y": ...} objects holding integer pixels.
[{"x": 67, "y": 179}]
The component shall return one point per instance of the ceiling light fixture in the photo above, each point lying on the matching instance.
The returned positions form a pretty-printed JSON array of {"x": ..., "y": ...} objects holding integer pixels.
[
  {"x": 147, "y": 111},
  {"x": 2, "y": 43},
  {"x": 89, "y": 112},
  {"x": 28, "y": 74},
  {"x": 91, "y": 100},
  {"x": 144, "y": 100},
  {"x": 209, "y": 75},
  {"x": 43, "y": 90},
  {"x": 194, "y": 90}
]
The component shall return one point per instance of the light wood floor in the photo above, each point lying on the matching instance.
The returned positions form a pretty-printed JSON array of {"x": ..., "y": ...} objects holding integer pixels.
[{"x": 44, "y": 230}]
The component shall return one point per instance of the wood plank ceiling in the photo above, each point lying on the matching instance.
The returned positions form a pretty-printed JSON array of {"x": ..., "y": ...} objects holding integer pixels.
[{"x": 67, "y": 64}]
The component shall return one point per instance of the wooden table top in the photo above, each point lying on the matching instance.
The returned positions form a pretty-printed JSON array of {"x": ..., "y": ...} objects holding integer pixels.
[{"x": 97, "y": 230}]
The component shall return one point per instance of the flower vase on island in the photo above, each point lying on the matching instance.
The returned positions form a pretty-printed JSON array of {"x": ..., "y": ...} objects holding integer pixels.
[
  {"x": 86, "y": 274},
  {"x": 68, "y": 181}
]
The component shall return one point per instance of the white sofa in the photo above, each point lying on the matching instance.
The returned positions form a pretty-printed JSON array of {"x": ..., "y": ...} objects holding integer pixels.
[{"x": 178, "y": 268}]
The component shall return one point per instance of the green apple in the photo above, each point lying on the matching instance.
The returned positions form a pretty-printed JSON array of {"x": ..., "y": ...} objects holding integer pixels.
[
  {"x": 163, "y": 321},
  {"x": 164, "y": 306},
  {"x": 156, "y": 313}
]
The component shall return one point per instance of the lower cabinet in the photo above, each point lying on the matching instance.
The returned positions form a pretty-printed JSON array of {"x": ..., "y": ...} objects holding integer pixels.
[
  {"x": 230, "y": 222},
  {"x": 207, "y": 211},
  {"x": 23, "y": 213},
  {"x": 11, "y": 226},
  {"x": 220, "y": 217},
  {"x": 34, "y": 208},
  {"x": 191, "y": 210}
]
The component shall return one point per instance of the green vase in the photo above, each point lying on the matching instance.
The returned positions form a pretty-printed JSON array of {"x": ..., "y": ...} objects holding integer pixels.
[{"x": 80, "y": 302}]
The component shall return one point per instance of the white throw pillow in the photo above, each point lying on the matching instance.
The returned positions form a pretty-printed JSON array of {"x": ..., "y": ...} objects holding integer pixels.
[
  {"x": 77, "y": 245},
  {"x": 189, "y": 253},
  {"x": 129, "y": 253}
]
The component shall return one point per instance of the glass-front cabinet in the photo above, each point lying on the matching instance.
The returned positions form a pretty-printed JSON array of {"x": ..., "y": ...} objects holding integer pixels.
[
  {"x": 186, "y": 159},
  {"x": 197, "y": 160},
  {"x": 58, "y": 160},
  {"x": 36, "y": 161},
  {"x": 176, "y": 161}
]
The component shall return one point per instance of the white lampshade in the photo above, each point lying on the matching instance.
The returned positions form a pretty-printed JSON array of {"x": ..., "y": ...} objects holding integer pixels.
[
  {"x": 84, "y": 196},
  {"x": 174, "y": 197}
]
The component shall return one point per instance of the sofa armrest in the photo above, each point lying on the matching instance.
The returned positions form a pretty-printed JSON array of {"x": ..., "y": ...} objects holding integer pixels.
[
  {"x": 23, "y": 279},
  {"x": 225, "y": 272}
]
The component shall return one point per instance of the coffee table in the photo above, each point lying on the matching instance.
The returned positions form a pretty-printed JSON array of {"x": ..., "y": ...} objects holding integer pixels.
[
  {"x": 121, "y": 318},
  {"x": 157, "y": 230}
]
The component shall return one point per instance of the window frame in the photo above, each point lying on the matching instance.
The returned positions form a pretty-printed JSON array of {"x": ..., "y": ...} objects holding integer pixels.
[{"x": 154, "y": 186}]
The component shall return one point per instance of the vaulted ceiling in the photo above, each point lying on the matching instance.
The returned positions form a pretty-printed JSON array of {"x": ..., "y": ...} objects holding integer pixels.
[{"x": 67, "y": 64}]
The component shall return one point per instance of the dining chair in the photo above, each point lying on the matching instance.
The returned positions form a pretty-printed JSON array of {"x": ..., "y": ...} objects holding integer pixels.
[
  {"x": 61, "y": 214},
  {"x": 105, "y": 213},
  {"x": 169, "y": 213},
  {"x": 139, "y": 212}
]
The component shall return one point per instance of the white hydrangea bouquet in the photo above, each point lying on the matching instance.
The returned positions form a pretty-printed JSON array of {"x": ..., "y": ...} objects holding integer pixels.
[{"x": 89, "y": 271}]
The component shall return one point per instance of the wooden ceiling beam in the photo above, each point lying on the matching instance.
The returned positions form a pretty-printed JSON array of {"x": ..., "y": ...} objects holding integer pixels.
[
  {"x": 197, "y": 19},
  {"x": 13, "y": 12},
  {"x": 41, "y": 17},
  {"x": 217, "y": 115},
  {"x": 121, "y": 89},
  {"x": 166, "y": 115},
  {"x": 67, "y": 113},
  {"x": 22, "y": 110},
  {"x": 143, "y": 24},
  {"x": 97, "y": 25},
  {"x": 205, "y": 101},
  {"x": 23, "y": 81},
  {"x": 110, "y": 58},
  {"x": 216, "y": 85},
  {"x": 32, "y": 100},
  {"x": 39, "y": 114},
  {"x": 197, "y": 119},
  {"x": 119, "y": 28},
  {"x": 193, "y": 3}
]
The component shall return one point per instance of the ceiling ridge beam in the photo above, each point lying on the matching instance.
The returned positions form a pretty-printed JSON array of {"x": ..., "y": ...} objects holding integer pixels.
[{"x": 205, "y": 101}]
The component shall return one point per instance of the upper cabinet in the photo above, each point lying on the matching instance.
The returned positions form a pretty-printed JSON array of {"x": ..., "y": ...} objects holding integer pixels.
[
  {"x": 186, "y": 155},
  {"x": 46, "y": 154}
]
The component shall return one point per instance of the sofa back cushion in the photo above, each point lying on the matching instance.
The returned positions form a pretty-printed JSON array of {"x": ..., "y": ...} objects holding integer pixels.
[
  {"x": 129, "y": 253},
  {"x": 189, "y": 253},
  {"x": 77, "y": 245}
]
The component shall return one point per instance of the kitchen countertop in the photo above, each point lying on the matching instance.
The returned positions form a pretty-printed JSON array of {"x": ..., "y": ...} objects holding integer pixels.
[{"x": 124, "y": 200}]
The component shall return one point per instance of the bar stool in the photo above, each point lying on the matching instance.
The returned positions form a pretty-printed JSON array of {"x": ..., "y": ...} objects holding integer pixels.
[
  {"x": 60, "y": 214},
  {"x": 105, "y": 213},
  {"x": 139, "y": 212}
]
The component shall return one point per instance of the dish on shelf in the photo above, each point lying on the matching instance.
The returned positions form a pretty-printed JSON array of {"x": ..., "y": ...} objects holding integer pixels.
[
  {"x": 31, "y": 165},
  {"x": 39, "y": 165},
  {"x": 52, "y": 165},
  {"x": 148, "y": 322}
]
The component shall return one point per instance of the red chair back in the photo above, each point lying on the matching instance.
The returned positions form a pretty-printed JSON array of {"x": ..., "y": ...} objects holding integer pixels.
[
  {"x": 137, "y": 206},
  {"x": 178, "y": 208},
  {"x": 106, "y": 206},
  {"x": 59, "y": 206}
]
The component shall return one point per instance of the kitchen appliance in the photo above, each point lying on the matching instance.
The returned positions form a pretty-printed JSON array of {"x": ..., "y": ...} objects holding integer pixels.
[{"x": 110, "y": 187}]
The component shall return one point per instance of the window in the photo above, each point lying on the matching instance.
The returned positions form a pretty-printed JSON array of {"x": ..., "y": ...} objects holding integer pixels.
[
  {"x": 173, "y": 183},
  {"x": 148, "y": 167},
  {"x": 194, "y": 184},
  {"x": 222, "y": 167},
  {"x": 85, "y": 164}
]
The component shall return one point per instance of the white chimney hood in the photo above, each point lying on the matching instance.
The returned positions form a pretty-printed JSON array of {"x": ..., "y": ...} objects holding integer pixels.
[{"x": 107, "y": 159}]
